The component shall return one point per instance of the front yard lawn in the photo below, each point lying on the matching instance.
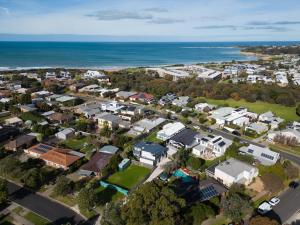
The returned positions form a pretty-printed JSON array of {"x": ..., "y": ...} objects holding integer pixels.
[
  {"x": 152, "y": 138},
  {"x": 108, "y": 195},
  {"x": 130, "y": 177},
  {"x": 36, "y": 219},
  {"x": 82, "y": 143}
]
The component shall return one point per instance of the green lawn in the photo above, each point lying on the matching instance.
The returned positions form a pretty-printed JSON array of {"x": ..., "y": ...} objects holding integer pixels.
[
  {"x": 36, "y": 219},
  {"x": 68, "y": 200},
  {"x": 152, "y": 138},
  {"x": 287, "y": 113},
  {"x": 78, "y": 143},
  {"x": 31, "y": 116},
  {"x": 129, "y": 177}
]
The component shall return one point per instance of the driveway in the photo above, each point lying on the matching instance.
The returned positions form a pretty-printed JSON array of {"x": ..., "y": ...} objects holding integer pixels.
[
  {"x": 160, "y": 166},
  {"x": 42, "y": 206},
  {"x": 289, "y": 204}
]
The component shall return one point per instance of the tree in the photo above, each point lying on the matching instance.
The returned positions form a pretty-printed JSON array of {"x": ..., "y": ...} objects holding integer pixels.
[
  {"x": 33, "y": 178},
  {"x": 86, "y": 199},
  {"x": 235, "y": 207},
  {"x": 195, "y": 163},
  {"x": 105, "y": 130},
  {"x": 198, "y": 213},
  {"x": 3, "y": 191},
  {"x": 153, "y": 203},
  {"x": 259, "y": 220},
  {"x": 63, "y": 186},
  {"x": 112, "y": 214}
]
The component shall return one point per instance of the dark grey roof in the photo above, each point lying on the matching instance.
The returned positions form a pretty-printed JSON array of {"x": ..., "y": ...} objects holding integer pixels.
[
  {"x": 185, "y": 137},
  {"x": 153, "y": 148}
]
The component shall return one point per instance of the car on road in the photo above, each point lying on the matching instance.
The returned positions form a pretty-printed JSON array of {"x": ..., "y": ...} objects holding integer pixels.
[
  {"x": 274, "y": 201},
  {"x": 293, "y": 184},
  {"x": 264, "y": 208}
]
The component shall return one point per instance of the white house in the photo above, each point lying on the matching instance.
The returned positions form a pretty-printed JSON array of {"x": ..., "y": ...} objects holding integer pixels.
[
  {"x": 93, "y": 74},
  {"x": 287, "y": 133},
  {"x": 263, "y": 154},
  {"x": 234, "y": 171},
  {"x": 169, "y": 130},
  {"x": 202, "y": 107},
  {"x": 211, "y": 146},
  {"x": 65, "y": 134}
]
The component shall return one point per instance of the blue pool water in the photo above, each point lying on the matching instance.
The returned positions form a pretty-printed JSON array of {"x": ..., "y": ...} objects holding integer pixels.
[{"x": 182, "y": 175}]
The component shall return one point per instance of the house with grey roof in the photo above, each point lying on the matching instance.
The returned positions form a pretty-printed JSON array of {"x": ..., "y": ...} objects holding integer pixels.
[
  {"x": 264, "y": 155},
  {"x": 109, "y": 149},
  {"x": 287, "y": 133},
  {"x": 257, "y": 127},
  {"x": 149, "y": 153},
  {"x": 233, "y": 171},
  {"x": 187, "y": 138},
  {"x": 65, "y": 134},
  {"x": 146, "y": 125},
  {"x": 181, "y": 101}
]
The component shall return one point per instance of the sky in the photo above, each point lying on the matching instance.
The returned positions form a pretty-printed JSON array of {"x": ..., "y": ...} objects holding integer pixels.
[{"x": 150, "y": 20}]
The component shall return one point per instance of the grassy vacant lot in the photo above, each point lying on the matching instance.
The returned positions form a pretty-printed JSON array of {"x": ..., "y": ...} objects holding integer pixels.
[
  {"x": 287, "y": 113},
  {"x": 82, "y": 143},
  {"x": 36, "y": 219},
  {"x": 129, "y": 177}
]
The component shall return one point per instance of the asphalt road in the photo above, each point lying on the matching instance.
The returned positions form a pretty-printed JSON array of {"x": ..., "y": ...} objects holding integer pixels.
[
  {"x": 42, "y": 206},
  {"x": 289, "y": 204}
]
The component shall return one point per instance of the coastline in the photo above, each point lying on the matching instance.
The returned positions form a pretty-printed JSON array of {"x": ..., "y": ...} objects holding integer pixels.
[{"x": 257, "y": 55}]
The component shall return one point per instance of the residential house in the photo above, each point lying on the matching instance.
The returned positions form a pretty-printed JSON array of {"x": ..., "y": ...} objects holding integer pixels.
[
  {"x": 93, "y": 74},
  {"x": 19, "y": 143},
  {"x": 233, "y": 171},
  {"x": 142, "y": 97},
  {"x": 270, "y": 119},
  {"x": 110, "y": 120},
  {"x": 263, "y": 154},
  {"x": 257, "y": 127},
  {"x": 65, "y": 134},
  {"x": 95, "y": 165},
  {"x": 204, "y": 107},
  {"x": 169, "y": 130},
  {"x": 186, "y": 138},
  {"x": 149, "y": 153},
  {"x": 146, "y": 125},
  {"x": 181, "y": 101},
  {"x": 211, "y": 146},
  {"x": 61, "y": 117},
  {"x": 124, "y": 95},
  {"x": 14, "y": 121},
  {"x": 109, "y": 149}
]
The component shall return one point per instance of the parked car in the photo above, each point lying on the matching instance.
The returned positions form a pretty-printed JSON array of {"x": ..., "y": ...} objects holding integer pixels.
[
  {"x": 293, "y": 184},
  {"x": 264, "y": 208},
  {"x": 236, "y": 133},
  {"x": 274, "y": 201}
]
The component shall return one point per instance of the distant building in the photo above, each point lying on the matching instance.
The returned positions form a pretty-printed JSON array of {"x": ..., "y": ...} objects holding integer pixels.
[
  {"x": 21, "y": 142},
  {"x": 65, "y": 134},
  {"x": 96, "y": 164}
]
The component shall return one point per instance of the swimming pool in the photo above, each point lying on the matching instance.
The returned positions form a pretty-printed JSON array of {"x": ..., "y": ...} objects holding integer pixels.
[{"x": 182, "y": 175}]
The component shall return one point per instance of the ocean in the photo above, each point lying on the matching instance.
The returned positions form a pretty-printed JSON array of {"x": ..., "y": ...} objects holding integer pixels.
[{"x": 22, "y": 55}]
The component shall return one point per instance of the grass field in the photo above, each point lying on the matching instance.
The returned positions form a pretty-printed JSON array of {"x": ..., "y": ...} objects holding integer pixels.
[
  {"x": 129, "y": 177},
  {"x": 36, "y": 219},
  {"x": 78, "y": 143},
  {"x": 287, "y": 113},
  {"x": 108, "y": 195}
]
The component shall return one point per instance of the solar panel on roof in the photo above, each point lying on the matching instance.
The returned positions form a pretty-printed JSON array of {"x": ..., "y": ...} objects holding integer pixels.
[
  {"x": 208, "y": 193},
  {"x": 45, "y": 147}
]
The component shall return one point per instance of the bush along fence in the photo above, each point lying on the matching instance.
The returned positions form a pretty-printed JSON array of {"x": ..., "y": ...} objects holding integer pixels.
[{"x": 115, "y": 187}]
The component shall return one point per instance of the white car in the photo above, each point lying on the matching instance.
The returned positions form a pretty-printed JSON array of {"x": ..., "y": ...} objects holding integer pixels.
[
  {"x": 264, "y": 208},
  {"x": 274, "y": 201}
]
